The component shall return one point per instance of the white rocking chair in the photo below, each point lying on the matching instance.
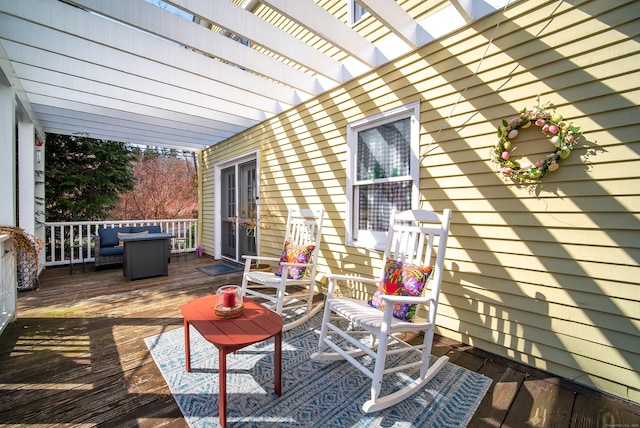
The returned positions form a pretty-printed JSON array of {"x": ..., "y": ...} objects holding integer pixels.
[
  {"x": 296, "y": 270},
  {"x": 352, "y": 327}
]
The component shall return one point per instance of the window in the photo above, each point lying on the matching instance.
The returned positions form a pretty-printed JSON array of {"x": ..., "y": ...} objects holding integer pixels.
[
  {"x": 356, "y": 12},
  {"x": 382, "y": 173}
]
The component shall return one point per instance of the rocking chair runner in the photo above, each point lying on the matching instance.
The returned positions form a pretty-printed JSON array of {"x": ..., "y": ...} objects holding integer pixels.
[
  {"x": 416, "y": 244},
  {"x": 296, "y": 270}
]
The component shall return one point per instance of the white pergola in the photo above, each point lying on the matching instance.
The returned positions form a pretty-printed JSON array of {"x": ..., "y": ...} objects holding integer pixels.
[{"x": 172, "y": 74}]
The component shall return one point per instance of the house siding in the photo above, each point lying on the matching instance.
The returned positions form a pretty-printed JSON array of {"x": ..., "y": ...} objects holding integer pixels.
[{"x": 546, "y": 275}]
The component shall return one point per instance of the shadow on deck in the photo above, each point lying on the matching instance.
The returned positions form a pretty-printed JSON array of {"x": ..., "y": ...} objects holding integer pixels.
[{"x": 76, "y": 356}]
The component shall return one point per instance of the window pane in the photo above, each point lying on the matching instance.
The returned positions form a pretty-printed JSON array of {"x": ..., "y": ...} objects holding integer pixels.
[
  {"x": 358, "y": 12},
  {"x": 384, "y": 151},
  {"x": 378, "y": 200}
]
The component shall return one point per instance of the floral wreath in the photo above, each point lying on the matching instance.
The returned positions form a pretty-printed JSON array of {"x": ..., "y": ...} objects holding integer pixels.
[{"x": 562, "y": 134}]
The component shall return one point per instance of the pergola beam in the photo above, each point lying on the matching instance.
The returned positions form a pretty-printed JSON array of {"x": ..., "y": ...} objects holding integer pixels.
[
  {"x": 319, "y": 21},
  {"x": 148, "y": 93},
  {"x": 22, "y": 99},
  {"x": 142, "y": 50},
  {"x": 250, "y": 27},
  {"x": 128, "y": 138},
  {"x": 135, "y": 127},
  {"x": 125, "y": 111},
  {"x": 164, "y": 24},
  {"x": 397, "y": 20}
]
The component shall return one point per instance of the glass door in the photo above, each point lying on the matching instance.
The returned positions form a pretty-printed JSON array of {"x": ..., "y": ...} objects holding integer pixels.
[
  {"x": 239, "y": 210},
  {"x": 248, "y": 209},
  {"x": 227, "y": 224}
]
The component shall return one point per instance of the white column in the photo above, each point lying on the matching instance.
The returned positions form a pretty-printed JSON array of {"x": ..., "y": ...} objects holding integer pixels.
[
  {"x": 7, "y": 156},
  {"x": 8, "y": 284},
  {"x": 26, "y": 177},
  {"x": 40, "y": 231}
]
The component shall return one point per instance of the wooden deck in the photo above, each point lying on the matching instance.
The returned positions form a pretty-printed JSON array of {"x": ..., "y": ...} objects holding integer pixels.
[{"x": 76, "y": 357}]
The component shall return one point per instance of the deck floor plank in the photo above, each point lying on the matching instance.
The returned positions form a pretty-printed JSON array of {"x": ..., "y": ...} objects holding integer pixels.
[
  {"x": 540, "y": 403},
  {"x": 591, "y": 412},
  {"x": 76, "y": 356},
  {"x": 496, "y": 404}
]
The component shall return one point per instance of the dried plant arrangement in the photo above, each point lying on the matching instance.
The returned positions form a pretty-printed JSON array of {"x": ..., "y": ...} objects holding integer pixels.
[{"x": 27, "y": 251}]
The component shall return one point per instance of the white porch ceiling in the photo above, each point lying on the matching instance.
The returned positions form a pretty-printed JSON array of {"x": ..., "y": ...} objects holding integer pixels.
[{"x": 128, "y": 70}]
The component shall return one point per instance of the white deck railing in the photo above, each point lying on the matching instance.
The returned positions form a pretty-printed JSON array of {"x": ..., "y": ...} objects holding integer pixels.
[
  {"x": 74, "y": 241},
  {"x": 8, "y": 286}
]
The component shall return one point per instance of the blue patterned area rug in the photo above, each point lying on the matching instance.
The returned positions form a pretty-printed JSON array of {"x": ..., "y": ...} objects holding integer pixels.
[{"x": 313, "y": 394}]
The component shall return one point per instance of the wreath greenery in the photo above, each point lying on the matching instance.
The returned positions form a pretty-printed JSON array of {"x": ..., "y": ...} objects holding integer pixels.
[{"x": 562, "y": 134}]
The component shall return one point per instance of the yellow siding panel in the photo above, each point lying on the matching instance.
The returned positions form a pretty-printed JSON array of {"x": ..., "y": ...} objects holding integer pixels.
[
  {"x": 542, "y": 343},
  {"x": 545, "y": 274}
]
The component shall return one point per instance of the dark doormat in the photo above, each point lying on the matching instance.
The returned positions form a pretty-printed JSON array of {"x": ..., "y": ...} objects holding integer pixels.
[{"x": 219, "y": 269}]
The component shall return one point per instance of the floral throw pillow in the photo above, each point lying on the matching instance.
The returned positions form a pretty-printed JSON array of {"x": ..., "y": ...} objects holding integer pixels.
[
  {"x": 401, "y": 279},
  {"x": 292, "y": 253}
]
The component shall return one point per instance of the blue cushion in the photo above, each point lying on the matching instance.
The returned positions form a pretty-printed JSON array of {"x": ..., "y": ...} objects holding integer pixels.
[
  {"x": 151, "y": 229},
  {"x": 109, "y": 236},
  {"x": 110, "y": 251}
]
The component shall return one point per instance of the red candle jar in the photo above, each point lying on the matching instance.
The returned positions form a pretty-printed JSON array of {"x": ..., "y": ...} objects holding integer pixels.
[{"x": 229, "y": 298}]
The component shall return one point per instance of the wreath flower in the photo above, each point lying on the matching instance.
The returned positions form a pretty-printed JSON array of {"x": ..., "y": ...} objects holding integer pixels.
[{"x": 562, "y": 134}]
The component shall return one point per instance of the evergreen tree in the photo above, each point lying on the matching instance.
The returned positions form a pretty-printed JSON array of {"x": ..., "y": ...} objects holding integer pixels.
[{"x": 84, "y": 176}]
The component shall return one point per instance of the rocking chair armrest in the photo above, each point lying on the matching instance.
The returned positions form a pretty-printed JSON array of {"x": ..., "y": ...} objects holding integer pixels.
[
  {"x": 405, "y": 299},
  {"x": 337, "y": 277},
  {"x": 391, "y": 301},
  {"x": 334, "y": 278},
  {"x": 289, "y": 264},
  {"x": 263, "y": 258}
]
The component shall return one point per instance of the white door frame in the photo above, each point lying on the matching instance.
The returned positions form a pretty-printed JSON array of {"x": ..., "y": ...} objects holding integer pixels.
[{"x": 217, "y": 192}]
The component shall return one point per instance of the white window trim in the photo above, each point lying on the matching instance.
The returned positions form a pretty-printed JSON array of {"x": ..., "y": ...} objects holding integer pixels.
[{"x": 368, "y": 239}]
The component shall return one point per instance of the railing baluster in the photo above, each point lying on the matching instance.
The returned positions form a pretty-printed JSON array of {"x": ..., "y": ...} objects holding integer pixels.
[{"x": 62, "y": 243}]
